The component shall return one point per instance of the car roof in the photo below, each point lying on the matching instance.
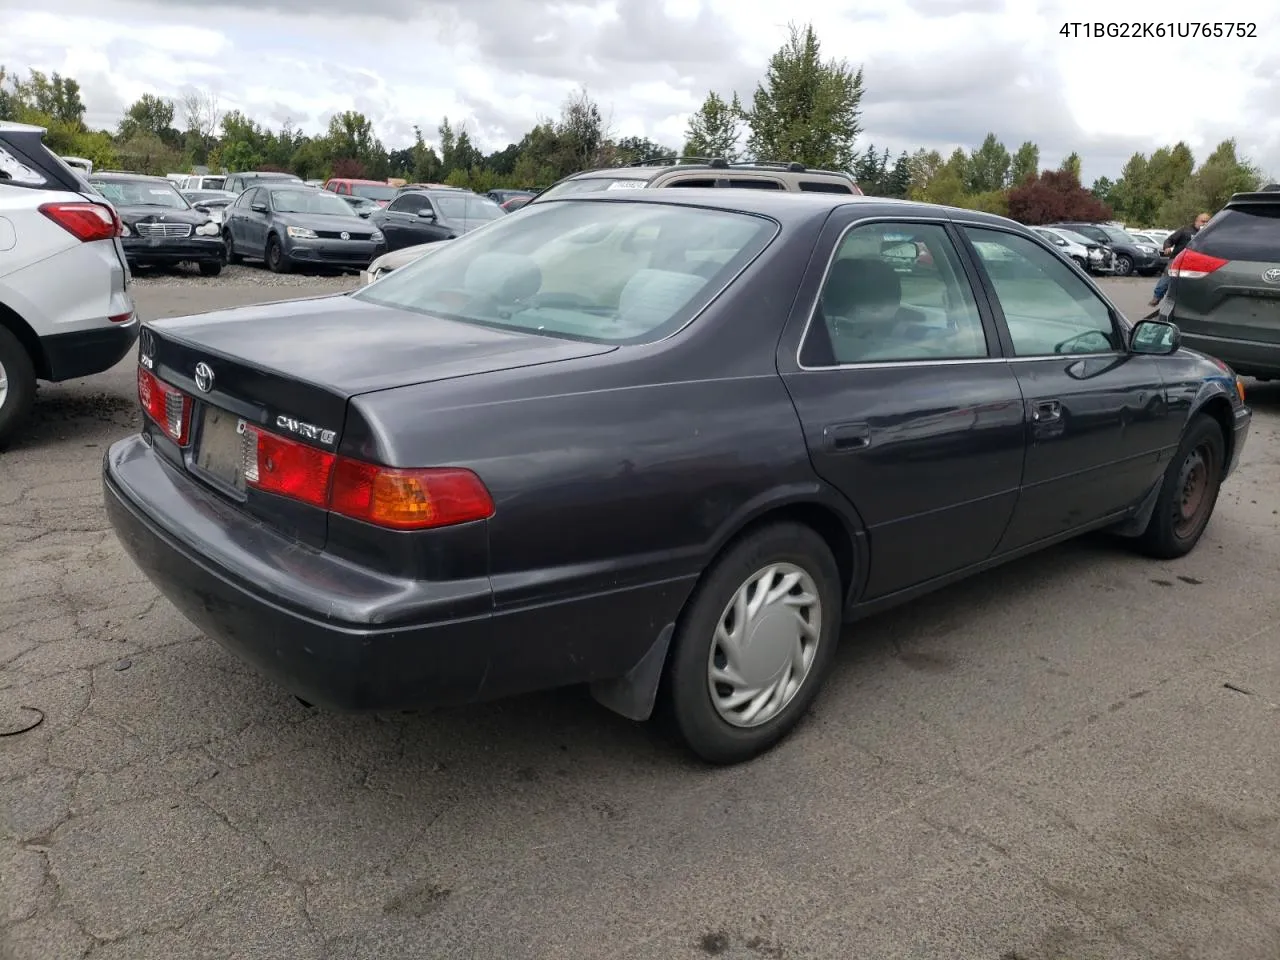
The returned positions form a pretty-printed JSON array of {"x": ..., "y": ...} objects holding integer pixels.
[
  {"x": 11, "y": 126},
  {"x": 121, "y": 175},
  {"x": 786, "y": 206},
  {"x": 290, "y": 185}
]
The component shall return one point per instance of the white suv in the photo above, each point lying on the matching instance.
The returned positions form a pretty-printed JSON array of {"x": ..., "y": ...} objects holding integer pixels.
[{"x": 65, "y": 307}]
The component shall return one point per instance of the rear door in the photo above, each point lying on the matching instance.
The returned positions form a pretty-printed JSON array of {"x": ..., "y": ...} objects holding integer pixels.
[
  {"x": 1098, "y": 424},
  {"x": 907, "y": 406},
  {"x": 1230, "y": 286}
]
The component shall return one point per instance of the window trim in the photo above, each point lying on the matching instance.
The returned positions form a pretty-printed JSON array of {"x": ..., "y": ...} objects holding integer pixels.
[
  {"x": 990, "y": 322},
  {"x": 1118, "y": 324}
]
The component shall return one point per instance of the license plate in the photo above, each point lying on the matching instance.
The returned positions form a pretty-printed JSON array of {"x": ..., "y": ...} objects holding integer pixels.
[{"x": 220, "y": 452}]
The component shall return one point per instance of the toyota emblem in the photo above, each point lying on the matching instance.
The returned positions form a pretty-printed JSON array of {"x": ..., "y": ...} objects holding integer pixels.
[
  {"x": 1272, "y": 275},
  {"x": 204, "y": 377},
  {"x": 345, "y": 235}
]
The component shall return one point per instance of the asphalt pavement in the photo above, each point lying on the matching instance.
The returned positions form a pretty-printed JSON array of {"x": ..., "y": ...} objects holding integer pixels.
[{"x": 1077, "y": 756}]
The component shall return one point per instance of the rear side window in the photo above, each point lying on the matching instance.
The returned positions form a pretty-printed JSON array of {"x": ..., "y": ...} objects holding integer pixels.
[
  {"x": 824, "y": 186},
  {"x": 696, "y": 183},
  {"x": 1243, "y": 233},
  {"x": 753, "y": 184},
  {"x": 15, "y": 171}
]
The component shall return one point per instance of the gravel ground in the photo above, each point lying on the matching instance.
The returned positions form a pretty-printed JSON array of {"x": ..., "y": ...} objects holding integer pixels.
[{"x": 243, "y": 275}]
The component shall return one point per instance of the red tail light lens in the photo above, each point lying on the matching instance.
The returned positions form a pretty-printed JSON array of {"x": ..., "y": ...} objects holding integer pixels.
[
  {"x": 84, "y": 221},
  {"x": 1192, "y": 264},
  {"x": 408, "y": 499},
  {"x": 389, "y": 497},
  {"x": 168, "y": 407}
]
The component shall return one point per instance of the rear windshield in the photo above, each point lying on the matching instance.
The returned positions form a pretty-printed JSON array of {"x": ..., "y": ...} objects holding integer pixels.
[
  {"x": 374, "y": 191},
  {"x": 600, "y": 272},
  {"x": 592, "y": 185},
  {"x": 1250, "y": 233}
]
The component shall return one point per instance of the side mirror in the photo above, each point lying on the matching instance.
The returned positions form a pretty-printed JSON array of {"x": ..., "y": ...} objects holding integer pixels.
[
  {"x": 1155, "y": 337},
  {"x": 258, "y": 207},
  {"x": 426, "y": 213},
  {"x": 364, "y": 213}
]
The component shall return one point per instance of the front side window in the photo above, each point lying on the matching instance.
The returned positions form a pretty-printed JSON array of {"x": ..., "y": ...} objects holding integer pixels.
[
  {"x": 1047, "y": 307},
  {"x": 895, "y": 292},
  {"x": 409, "y": 203},
  {"x": 582, "y": 270}
]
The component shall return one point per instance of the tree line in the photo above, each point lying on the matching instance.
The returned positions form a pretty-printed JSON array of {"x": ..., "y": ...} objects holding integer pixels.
[{"x": 805, "y": 108}]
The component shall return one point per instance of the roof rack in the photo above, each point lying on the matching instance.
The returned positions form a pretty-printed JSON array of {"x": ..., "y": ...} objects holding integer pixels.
[
  {"x": 716, "y": 162},
  {"x": 789, "y": 165}
]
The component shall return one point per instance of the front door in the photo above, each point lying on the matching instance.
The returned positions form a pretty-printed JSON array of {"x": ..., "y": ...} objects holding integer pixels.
[
  {"x": 907, "y": 407},
  {"x": 1098, "y": 422}
]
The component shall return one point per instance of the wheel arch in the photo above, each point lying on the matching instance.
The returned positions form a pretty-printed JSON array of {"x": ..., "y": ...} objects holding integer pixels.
[
  {"x": 11, "y": 321},
  {"x": 815, "y": 506},
  {"x": 1219, "y": 408}
]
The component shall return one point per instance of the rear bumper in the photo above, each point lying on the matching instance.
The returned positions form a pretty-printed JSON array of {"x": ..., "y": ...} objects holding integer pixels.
[
  {"x": 163, "y": 250},
  {"x": 349, "y": 638},
  {"x": 83, "y": 353},
  {"x": 1246, "y": 357}
]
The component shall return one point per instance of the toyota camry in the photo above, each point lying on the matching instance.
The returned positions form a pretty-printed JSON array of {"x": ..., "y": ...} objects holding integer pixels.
[{"x": 662, "y": 443}]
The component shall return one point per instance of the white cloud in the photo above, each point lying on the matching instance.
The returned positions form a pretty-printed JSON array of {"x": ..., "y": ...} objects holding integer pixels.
[{"x": 939, "y": 73}]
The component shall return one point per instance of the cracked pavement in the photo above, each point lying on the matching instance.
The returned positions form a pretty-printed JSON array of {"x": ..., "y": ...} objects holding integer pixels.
[{"x": 1044, "y": 762}]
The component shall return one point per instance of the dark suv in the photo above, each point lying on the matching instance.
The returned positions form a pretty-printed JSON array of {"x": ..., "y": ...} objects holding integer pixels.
[
  {"x": 703, "y": 172},
  {"x": 1132, "y": 255},
  {"x": 1224, "y": 288}
]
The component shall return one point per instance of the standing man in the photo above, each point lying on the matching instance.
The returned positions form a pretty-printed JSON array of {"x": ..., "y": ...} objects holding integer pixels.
[{"x": 1173, "y": 246}]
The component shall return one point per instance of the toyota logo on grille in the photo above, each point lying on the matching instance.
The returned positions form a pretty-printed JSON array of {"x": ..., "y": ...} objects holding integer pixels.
[
  {"x": 345, "y": 235},
  {"x": 204, "y": 377},
  {"x": 1272, "y": 275}
]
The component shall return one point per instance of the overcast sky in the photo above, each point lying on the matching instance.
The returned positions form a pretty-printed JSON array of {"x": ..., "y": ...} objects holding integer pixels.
[{"x": 938, "y": 73}]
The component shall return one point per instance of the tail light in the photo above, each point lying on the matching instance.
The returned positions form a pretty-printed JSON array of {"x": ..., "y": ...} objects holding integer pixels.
[
  {"x": 168, "y": 407},
  {"x": 390, "y": 497},
  {"x": 1192, "y": 264},
  {"x": 84, "y": 221}
]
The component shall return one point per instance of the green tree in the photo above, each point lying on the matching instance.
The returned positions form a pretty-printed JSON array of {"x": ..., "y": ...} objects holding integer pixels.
[
  {"x": 1071, "y": 165},
  {"x": 715, "y": 129},
  {"x": 148, "y": 115},
  {"x": 1210, "y": 187},
  {"x": 900, "y": 177},
  {"x": 1025, "y": 164},
  {"x": 807, "y": 109},
  {"x": 989, "y": 166},
  {"x": 925, "y": 166}
]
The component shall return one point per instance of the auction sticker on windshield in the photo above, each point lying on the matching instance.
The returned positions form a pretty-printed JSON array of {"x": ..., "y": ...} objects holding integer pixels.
[{"x": 627, "y": 185}]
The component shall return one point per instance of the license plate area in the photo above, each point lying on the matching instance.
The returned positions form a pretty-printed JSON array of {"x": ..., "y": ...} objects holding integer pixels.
[{"x": 220, "y": 448}]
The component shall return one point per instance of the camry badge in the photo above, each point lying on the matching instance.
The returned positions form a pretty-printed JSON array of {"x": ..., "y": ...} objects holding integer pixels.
[
  {"x": 308, "y": 430},
  {"x": 1272, "y": 275},
  {"x": 344, "y": 235},
  {"x": 147, "y": 348},
  {"x": 204, "y": 377}
]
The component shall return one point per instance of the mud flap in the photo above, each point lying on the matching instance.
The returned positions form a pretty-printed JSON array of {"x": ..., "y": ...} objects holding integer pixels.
[
  {"x": 633, "y": 694},
  {"x": 1136, "y": 525}
]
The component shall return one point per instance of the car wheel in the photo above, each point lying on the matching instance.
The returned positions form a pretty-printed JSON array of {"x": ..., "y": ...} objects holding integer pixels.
[
  {"x": 1124, "y": 265},
  {"x": 1081, "y": 263},
  {"x": 276, "y": 259},
  {"x": 17, "y": 385},
  {"x": 210, "y": 268},
  {"x": 1188, "y": 492},
  {"x": 232, "y": 256},
  {"x": 754, "y": 644}
]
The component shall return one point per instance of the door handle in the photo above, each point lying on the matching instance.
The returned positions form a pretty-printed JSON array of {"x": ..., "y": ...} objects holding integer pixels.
[
  {"x": 844, "y": 437},
  {"x": 1043, "y": 411}
]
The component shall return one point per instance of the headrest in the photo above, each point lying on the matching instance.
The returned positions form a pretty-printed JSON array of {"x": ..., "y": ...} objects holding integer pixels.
[
  {"x": 861, "y": 284},
  {"x": 513, "y": 275},
  {"x": 653, "y": 296}
]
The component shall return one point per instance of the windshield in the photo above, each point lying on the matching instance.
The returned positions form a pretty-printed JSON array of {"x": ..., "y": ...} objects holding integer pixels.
[
  {"x": 482, "y": 208},
  {"x": 1073, "y": 237},
  {"x": 1115, "y": 233},
  {"x": 601, "y": 272},
  {"x": 591, "y": 185},
  {"x": 141, "y": 193},
  {"x": 374, "y": 191},
  {"x": 308, "y": 200}
]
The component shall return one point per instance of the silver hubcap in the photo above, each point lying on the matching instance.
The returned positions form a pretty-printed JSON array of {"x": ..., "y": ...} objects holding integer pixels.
[
  {"x": 4, "y": 385},
  {"x": 764, "y": 645}
]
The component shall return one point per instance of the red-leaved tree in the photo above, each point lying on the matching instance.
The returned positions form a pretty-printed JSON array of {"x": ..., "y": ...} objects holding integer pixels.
[
  {"x": 1055, "y": 195},
  {"x": 348, "y": 168}
]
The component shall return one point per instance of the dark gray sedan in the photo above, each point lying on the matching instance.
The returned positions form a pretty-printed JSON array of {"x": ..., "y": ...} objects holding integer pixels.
[{"x": 289, "y": 224}]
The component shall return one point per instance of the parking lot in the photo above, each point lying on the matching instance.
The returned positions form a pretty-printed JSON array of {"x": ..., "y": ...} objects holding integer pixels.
[{"x": 1074, "y": 757}]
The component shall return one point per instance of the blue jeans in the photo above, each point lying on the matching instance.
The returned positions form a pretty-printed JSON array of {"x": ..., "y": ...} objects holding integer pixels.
[{"x": 1162, "y": 287}]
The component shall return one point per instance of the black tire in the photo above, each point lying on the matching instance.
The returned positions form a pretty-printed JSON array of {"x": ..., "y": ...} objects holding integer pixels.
[
  {"x": 232, "y": 256},
  {"x": 19, "y": 375},
  {"x": 210, "y": 268},
  {"x": 686, "y": 694},
  {"x": 1200, "y": 459},
  {"x": 1081, "y": 263},
  {"x": 277, "y": 260},
  {"x": 1124, "y": 265}
]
